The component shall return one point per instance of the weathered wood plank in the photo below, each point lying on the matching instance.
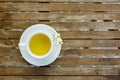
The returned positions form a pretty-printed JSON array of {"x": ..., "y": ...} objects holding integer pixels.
[
  {"x": 63, "y": 26},
  {"x": 90, "y": 34},
  {"x": 9, "y": 43},
  {"x": 5, "y": 16},
  {"x": 61, "y": 0},
  {"x": 9, "y": 52},
  {"x": 58, "y": 7},
  {"x": 64, "y": 62},
  {"x": 59, "y": 71},
  {"x": 59, "y": 77},
  {"x": 68, "y": 34},
  {"x": 86, "y": 61},
  {"x": 68, "y": 52},
  {"x": 9, "y": 34},
  {"x": 76, "y": 44},
  {"x": 90, "y": 52}
]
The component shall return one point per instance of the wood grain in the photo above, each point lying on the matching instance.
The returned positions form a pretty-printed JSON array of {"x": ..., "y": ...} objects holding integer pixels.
[
  {"x": 61, "y": 0},
  {"x": 91, "y": 50},
  {"x": 76, "y": 44},
  {"x": 59, "y": 71},
  {"x": 64, "y": 62},
  {"x": 63, "y": 26},
  {"x": 58, "y": 7},
  {"x": 5, "y": 34},
  {"x": 10, "y": 52},
  {"x": 5, "y": 16},
  {"x": 59, "y": 77},
  {"x": 68, "y": 52}
]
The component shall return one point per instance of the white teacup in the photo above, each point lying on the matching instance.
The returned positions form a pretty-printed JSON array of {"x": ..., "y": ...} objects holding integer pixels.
[{"x": 54, "y": 39}]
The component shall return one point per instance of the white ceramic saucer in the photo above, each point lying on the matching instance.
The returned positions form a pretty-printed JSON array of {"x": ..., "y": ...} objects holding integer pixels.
[{"x": 39, "y": 61}]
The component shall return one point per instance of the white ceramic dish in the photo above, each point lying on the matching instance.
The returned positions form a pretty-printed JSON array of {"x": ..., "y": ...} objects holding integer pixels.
[{"x": 54, "y": 53}]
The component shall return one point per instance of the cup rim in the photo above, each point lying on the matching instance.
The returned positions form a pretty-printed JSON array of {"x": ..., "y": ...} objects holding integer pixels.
[{"x": 31, "y": 53}]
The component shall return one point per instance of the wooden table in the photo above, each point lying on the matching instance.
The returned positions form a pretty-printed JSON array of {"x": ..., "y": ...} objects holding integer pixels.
[{"x": 89, "y": 28}]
